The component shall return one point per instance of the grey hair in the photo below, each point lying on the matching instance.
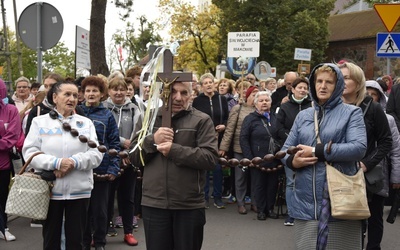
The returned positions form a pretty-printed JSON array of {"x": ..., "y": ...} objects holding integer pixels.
[
  {"x": 206, "y": 75},
  {"x": 260, "y": 93},
  {"x": 290, "y": 72},
  {"x": 115, "y": 74},
  {"x": 23, "y": 79}
]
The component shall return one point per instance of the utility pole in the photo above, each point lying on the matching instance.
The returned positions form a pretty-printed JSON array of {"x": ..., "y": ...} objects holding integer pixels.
[
  {"x": 7, "y": 51},
  {"x": 21, "y": 71}
]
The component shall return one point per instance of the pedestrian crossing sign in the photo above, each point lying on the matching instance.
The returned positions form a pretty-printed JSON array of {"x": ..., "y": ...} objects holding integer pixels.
[{"x": 387, "y": 45}]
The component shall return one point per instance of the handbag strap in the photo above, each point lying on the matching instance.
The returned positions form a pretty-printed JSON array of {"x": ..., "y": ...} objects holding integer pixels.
[
  {"x": 28, "y": 162},
  {"x": 220, "y": 108},
  {"x": 367, "y": 107},
  {"x": 266, "y": 127}
]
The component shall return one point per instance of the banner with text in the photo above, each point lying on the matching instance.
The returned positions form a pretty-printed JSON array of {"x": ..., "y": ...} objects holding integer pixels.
[{"x": 244, "y": 44}]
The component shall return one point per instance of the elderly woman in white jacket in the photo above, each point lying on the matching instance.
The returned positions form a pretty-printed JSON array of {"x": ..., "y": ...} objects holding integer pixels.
[{"x": 56, "y": 135}]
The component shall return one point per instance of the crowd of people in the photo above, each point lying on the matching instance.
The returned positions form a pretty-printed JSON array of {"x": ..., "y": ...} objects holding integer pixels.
[{"x": 210, "y": 118}]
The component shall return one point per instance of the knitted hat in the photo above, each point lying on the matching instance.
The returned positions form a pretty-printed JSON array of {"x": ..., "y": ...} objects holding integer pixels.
[{"x": 250, "y": 90}]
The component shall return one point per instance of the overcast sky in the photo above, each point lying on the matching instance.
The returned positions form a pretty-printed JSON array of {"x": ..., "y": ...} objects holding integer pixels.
[{"x": 77, "y": 12}]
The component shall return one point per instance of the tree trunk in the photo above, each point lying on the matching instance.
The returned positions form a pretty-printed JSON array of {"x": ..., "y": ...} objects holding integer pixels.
[{"x": 97, "y": 45}]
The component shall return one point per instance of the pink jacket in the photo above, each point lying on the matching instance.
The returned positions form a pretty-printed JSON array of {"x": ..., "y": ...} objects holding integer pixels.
[{"x": 10, "y": 128}]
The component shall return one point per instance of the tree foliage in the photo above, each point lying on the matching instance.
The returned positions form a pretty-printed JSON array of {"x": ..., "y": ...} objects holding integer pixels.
[
  {"x": 283, "y": 25},
  {"x": 133, "y": 42},
  {"x": 198, "y": 33},
  {"x": 57, "y": 59},
  {"x": 380, "y": 1}
]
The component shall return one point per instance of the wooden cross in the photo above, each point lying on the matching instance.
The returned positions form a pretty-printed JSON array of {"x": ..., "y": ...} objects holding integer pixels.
[{"x": 167, "y": 77}]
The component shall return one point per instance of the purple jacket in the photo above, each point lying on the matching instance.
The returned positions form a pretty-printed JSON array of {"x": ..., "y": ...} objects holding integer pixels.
[{"x": 10, "y": 128}]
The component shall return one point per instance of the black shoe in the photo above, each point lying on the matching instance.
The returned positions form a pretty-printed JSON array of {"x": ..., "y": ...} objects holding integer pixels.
[
  {"x": 261, "y": 216},
  {"x": 272, "y": 214}
]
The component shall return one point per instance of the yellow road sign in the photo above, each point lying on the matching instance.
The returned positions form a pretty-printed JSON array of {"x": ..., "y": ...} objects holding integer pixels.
[{"x": 389, "y": 14}]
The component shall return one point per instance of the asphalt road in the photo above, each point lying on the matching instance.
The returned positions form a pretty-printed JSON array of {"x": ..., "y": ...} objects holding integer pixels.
[{"x": 225, "y": 230}]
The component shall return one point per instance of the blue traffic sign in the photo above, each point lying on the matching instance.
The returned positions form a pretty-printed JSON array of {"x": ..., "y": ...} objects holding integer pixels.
[{"x": 387, "y": 44}]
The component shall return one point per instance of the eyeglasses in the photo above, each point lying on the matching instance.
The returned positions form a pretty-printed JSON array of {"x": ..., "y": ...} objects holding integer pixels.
[{"x": 22, "y": 87}]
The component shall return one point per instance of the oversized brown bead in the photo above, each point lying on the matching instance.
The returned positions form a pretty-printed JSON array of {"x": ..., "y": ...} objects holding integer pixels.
[
  {"x": 234, "y": 162},
  {"x": 245, "y": 162},
  {"x": 92, "y": 144},
  {"x": 102, "y": 148},
  {"x": 123, "y": 154},
  {"x": 256, "y": 160},
  {"x": 292, "y": 150},
  {"x": 83, "y": 138},
  {"x": 74, "y": 132},
  {"x": 269, "y": 157},
  {"x": 113, "y": 152},
  {"x": 279, "y": 155},
  {"x": 222, "y": 161},
  {"x": 66, "y": 126}
]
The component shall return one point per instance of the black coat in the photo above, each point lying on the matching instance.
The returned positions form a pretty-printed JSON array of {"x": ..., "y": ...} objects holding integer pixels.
[
  {"x": 393, "y": 104},
  {"x": 277, "y": 97},
  {"x": 285, "y": 117},
  {"x": 217, "y": 109},
  {"x": 254, "y": 138},
  {"x": 379, "y": 137}
]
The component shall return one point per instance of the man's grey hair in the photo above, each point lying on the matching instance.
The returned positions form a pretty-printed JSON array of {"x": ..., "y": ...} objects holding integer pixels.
[{"x": 289, "y": 72}]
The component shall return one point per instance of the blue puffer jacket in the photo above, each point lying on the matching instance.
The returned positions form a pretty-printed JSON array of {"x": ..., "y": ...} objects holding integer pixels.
[
  {"x": 107, "y": 134},
  {"x": 340, "y": 123}
]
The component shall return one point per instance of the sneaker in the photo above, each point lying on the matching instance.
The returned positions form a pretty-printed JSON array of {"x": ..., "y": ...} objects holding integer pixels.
[
  {"x": 36, "y": 223},
  {"x": 231, "y": 199},
  {"x": 130, "y": 240},
  {"x": 289, "y": 221},
  {"x": 118, "y": 222},
  {"x": 247, "y": 200},
  {"x": 8, "y": 236},
  {"x": 207, "y": 204},
  {"x": 226, "y": 195},
  {"x": 219, "y": 204},
  {"x": 271, "y": 214},
  {"x": 261, "y": 216},
  {"x": 111, "y": 232},
  {"x": 135, "y": 222}
]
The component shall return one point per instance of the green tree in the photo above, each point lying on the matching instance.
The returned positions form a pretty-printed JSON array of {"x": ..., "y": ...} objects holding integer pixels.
[
  {"x": 134, "y": 43},
  {"x": 57, "y": 59},
  {"x": 283, "y": 25},
  {"x": 197, "y": 32}
]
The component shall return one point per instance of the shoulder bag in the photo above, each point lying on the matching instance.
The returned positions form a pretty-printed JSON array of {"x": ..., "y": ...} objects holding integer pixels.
[
  {"x": 274, "y": 145},
  {"x": 374, "y": 177},
  {"x": 29, "y": 195},
  {"x": 348, "y": 195}
]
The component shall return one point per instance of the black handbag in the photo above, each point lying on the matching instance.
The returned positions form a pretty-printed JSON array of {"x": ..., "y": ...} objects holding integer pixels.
[
  {"x": 374, "y": 178},
  {"x": 274, "y": 145}
]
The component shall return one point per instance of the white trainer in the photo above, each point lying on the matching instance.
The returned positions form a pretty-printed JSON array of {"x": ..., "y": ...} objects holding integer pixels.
[{"x": 9, "y": 236}]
